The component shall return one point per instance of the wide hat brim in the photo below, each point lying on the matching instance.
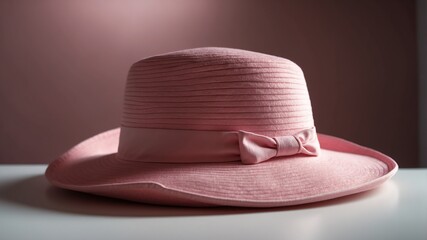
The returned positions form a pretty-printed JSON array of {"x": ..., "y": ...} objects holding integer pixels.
[{"x": 342, "y": 168}]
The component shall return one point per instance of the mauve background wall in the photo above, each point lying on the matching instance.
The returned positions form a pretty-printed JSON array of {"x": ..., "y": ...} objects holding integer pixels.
[{"x": 63, "y": 64}]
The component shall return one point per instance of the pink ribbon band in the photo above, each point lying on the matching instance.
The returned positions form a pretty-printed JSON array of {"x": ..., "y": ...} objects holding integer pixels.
[{"x": 190, "y": 146}]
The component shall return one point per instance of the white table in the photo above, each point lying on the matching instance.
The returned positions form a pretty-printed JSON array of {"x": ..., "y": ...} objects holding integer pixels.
[{"x": 31, "y": 209}]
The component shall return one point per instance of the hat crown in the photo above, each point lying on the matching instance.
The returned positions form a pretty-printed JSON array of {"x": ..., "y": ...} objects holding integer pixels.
[{"x": 217, "y": 89}]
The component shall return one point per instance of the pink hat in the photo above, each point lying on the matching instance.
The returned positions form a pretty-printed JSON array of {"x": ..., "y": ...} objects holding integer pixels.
[{"x": 218, "y": 126}]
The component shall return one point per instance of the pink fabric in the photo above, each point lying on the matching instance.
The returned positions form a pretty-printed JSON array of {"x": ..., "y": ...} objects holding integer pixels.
[
  {"x": 177, "y": 146},
  {"x": 187, "y": 146},
  {"x": 198, "y": 127},
  {"x": 256, "y": 148}
]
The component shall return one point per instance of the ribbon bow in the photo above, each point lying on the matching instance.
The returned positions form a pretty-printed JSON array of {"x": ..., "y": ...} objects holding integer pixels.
[{"x": 255, "y": 148}]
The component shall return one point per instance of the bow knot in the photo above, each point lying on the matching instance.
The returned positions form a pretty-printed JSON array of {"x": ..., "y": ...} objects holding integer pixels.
[{"x": 256, "y": 148}]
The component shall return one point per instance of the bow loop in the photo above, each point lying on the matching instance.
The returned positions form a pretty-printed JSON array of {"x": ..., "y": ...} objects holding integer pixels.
[
  {"x": 256, "y": 148},
  {"x": 309, "y": 144}
]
